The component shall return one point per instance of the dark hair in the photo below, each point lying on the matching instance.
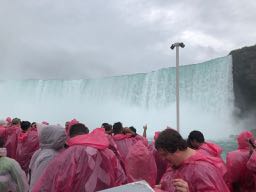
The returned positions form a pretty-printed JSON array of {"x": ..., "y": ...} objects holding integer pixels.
[
  {"x": 196, "y": 136},
  {"x": 171, "y": 141},
  {"x": 78, "y": 129},
  {"x": 25, "y": 125},
  {"x": 117, "y": 128},
  {"x": 34, "y": 123},
  {"x": 133, "y": 129},
  {"x": 1, "y": 142},
  {"x": 106, "y": 126},
  {"x": 16, "y": 121}
]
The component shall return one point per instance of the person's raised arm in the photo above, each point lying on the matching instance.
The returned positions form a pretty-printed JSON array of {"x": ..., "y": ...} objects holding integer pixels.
[{"x": 145, "y": 127}]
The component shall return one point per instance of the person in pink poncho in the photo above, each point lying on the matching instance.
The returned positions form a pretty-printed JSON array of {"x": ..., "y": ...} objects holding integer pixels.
[
  {"x": 161, "y": 164},
  {"x": 87, "y": 165},
  {"x": 240, "y": 178},
  {"x": 124, "y": 139},
  {"x": 196, "y": 141},
  {"x": 3, "y": 129},
  {"x": 251, "y": 164},
  {"x": 28, "y": 143},
  {"x": 140, "y": 164},
  {"x": 12, "y": 133},
  {"x": 191, "y": 171}
]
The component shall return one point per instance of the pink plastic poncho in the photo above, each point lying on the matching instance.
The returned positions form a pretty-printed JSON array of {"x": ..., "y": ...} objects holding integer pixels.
[
  {"x": 161, "y": 164},
  {"x": 238, "y": 175},
  {"x": 28, "y": 143},
  {"x": 212, "y": 149},
  {"x": 251, "y": 165},
  {"x": 140, "y": 164},
  {"x": 123, "y": 143},
  {"x": 200, "y": 172},
  {"x": 113, "y": 147},
  {"x": 3, "y": 133},
  {"x": 11, "y": 140},
  {"x": 86, "y": 166}
]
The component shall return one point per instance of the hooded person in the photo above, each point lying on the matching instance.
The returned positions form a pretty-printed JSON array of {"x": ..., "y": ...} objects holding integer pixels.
[
  {"x": 12, "y": 177},
  {"x": 239, "y": 177},
  {"x": 52, "y": 139},
  {"x": 12, "y": 137},
  {"x": 87, "y": 165},
  {"x": 28, "y": 143},
  {"x": 191, "y": 171}
]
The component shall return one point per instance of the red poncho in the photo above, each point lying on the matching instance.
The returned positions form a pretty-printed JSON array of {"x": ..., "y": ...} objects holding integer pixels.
[
  {"x": 11, "y": 140},
  {"x": 140, "y": 164},
  {"x": 124, "y": 143},
  {"x": 238, "y": 175},
  {"x": 3, "y": 133},
  {"x": 28, "y": 143},
  {"x": 211, "y": 149},
  {"x": 251, "y": 165},
  {"x": 200, "y": 172},
  {"x": 86, "y": 166}
]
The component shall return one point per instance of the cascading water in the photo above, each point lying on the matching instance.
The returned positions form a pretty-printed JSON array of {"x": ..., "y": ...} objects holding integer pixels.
[{"x": 206, "y": 99}]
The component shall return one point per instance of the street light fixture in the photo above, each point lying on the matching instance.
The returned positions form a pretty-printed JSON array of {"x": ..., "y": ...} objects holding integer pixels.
[{"x": 177, "y": 45}]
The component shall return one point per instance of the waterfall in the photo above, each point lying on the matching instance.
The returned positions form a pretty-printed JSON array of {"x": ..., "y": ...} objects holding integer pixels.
[{"x": 206, "y": 99}]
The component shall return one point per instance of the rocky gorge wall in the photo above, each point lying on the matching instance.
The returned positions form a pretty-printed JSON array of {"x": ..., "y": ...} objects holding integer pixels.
[{"x": 244, "y": 80}]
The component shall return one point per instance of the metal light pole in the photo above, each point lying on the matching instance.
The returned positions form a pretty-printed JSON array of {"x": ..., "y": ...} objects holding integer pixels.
[{"x": 177, "y": 45}]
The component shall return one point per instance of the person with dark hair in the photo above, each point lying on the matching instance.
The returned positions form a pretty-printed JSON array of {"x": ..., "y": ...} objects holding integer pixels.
[
  {"x": 107, "y": 127},
  {"x": 25, "y": 125},
  {"x": 87, "y": 165},
  {"x": 12, "y": 177},
  {"x": 16, "y": 121},
  {"x": 28, "y": 143},
  {"x": 133, "y": 129},
  {"x": 196, "y": 141},
  {"x": 78, "y": 129},
  {"x": 118, "y": 128},
  {"x": 191, "y": 171},
  {"x": 124, "y": 139},
  {"x": 34, "y": 126}
]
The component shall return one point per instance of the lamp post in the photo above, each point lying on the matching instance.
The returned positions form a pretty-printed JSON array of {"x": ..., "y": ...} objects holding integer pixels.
[{"x": 177, "y": 45}]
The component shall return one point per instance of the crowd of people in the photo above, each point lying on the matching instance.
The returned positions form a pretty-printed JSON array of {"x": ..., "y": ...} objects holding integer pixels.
[{"x": 39, "y": 157}]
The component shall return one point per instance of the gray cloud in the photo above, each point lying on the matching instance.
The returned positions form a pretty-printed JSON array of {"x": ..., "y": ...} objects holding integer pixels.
[{"x": 87, "y": 39}]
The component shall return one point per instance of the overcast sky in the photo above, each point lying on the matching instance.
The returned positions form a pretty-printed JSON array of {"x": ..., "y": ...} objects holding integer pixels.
[{"x": 74, "y": 39}]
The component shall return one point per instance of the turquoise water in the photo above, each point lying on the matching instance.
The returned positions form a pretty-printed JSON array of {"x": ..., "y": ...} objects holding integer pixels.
[{"x": 227, "y": 146}]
